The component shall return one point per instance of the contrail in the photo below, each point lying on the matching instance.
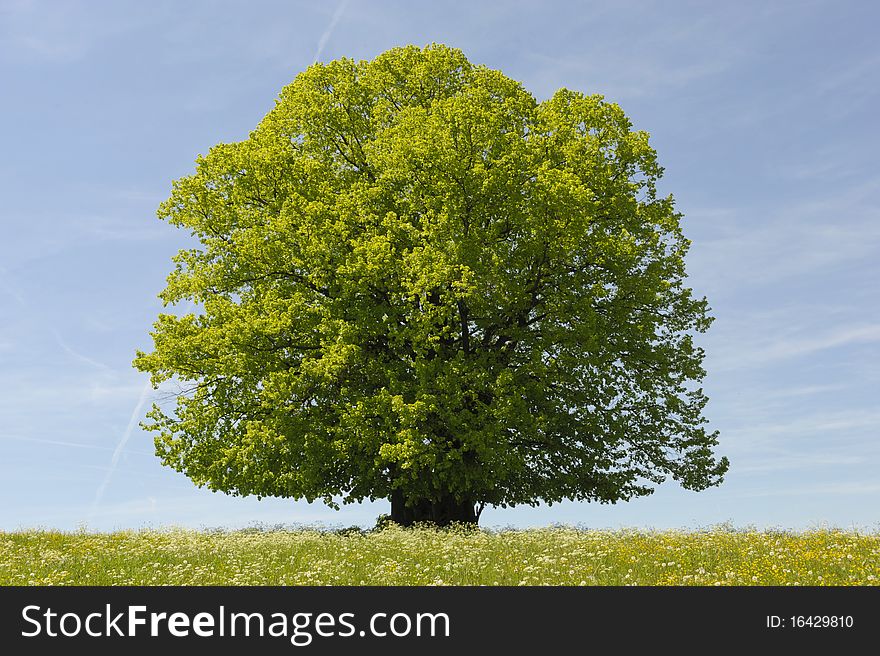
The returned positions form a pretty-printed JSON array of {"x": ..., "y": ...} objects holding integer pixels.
[
  {"x": 74, "y": 445},
  {"x": 37, "y": 440},
  {"x": 326, "y": 35},
  {"x": 120, "y": 447}
]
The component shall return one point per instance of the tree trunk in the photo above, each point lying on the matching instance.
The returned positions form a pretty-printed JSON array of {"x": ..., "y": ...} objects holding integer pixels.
[{"x": 441, "y": 513}]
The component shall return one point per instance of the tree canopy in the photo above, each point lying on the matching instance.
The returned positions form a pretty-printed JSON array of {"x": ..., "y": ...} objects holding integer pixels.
[{"x": 416, "y": 282}]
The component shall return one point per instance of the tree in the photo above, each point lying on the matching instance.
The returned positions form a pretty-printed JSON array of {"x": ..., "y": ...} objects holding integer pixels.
[{"x": 418, "y": 283}]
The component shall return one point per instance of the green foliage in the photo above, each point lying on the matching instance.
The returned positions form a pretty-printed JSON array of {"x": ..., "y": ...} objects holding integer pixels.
[{"x": 414, "y": 277}]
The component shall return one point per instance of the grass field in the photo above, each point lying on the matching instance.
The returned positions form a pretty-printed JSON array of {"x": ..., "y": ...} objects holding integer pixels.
[{"x": 553, "y": 556}]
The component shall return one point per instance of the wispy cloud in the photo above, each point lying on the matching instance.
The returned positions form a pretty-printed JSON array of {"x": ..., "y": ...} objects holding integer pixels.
[
  {"x": 737, "y": 249},
  {"x": 68, "y": 444},
  {"x": 38, "y": 440},
  {"x": 60, "y": 32},
  {"x": 850, "y": 87},
  {"x": 844, "y": 429},
  {"x": 628, "y": 78},
  {"x": 122, "y": 229},
  {"x": 848, "y": 488},
  {"x": 800, "y": 391},
  {"x": 7, "y": 286},
  {"x": 833, "y": 162},
  {"x": 201, "y": 509},
  {"x": 325, "y": 37},
  {"x": 838, "y": 337},
  {"x": 793, "y": 462},
  {"x": 743, "y": 353},
  {"x": 674, "y": 54},
  {"x": 79, "y": 356}
]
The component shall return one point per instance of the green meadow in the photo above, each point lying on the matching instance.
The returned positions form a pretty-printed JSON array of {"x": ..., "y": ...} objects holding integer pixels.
[{"x": 425, "y": 556}]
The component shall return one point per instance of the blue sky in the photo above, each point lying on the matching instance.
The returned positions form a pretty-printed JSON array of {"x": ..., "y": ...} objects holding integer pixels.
[{"x": 763, "y": 114}]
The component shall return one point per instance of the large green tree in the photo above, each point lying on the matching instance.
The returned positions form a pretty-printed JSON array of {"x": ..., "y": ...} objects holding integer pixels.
[{"x": 416, "y": 282}]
